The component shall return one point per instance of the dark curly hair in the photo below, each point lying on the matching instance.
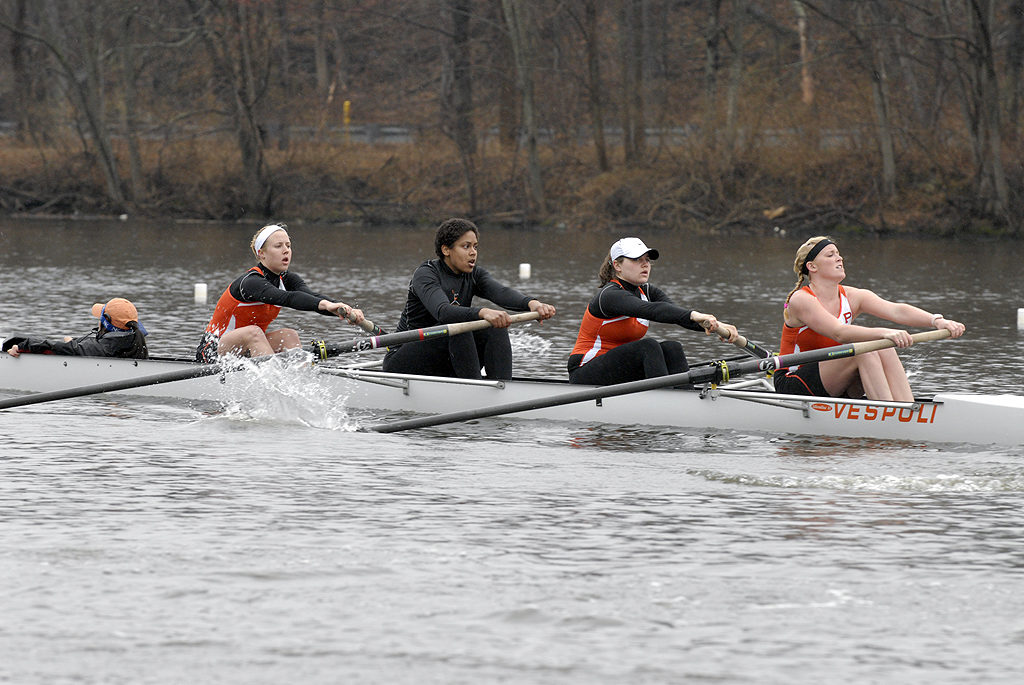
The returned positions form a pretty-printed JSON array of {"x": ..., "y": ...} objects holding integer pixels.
[{"x": 451, "y": 230}]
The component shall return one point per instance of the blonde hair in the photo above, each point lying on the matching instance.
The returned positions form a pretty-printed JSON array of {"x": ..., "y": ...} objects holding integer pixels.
[
  {"x": 798, "y": 265},
  {"x": 280, "y": 226}
]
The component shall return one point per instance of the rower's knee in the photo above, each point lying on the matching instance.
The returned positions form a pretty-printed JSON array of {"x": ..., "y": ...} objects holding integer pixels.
[
  {"x": 649, "y": 346},
  {"x": 284, "y": 339},
  {"x": 247, "y": 340}
]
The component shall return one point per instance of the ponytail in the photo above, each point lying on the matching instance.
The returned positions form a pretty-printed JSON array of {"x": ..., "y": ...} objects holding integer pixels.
[
  {"x": 607, "y": 271},
  {"x": 799, "y": 282}
]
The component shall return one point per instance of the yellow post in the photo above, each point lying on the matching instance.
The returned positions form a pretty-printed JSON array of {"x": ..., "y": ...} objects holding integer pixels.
[{"x": 347, "y": 116}]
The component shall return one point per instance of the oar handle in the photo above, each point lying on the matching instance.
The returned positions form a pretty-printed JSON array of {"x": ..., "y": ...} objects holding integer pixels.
[
  {"x": 367, "y": 325},
  {"x": 323, "y": 350},
  {"x": 872, "y": 345},
  {"x": 741, "y": 342},
  {"x": 480, "y": 324}
]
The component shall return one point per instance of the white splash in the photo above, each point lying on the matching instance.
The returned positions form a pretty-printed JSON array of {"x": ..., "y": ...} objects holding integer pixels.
[
  {"x": 287, "y": 390},
  {"x": 528, "y": 347}
]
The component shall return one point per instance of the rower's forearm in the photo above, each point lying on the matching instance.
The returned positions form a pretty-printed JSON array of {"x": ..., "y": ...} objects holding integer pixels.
[{"x": 909, "y": 315}]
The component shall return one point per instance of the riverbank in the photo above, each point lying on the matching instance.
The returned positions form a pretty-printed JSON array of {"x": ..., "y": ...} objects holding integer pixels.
[{"x": 691, "y": 189}]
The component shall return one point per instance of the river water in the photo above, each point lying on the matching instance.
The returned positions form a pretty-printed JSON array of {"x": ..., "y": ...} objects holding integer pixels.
[{"x": 151, "y": 541}]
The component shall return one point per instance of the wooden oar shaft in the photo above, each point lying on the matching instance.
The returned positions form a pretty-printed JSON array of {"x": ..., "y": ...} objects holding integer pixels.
[
  {"x": 711, "y": 374},
  {"x": 325, "y": 350},
  {"x": 369, "y": 326},
  {"x": 749, "y": 346},
  {"x": 926, "y": 336}
]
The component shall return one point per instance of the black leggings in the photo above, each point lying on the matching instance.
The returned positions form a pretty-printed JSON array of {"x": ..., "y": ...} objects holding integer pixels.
[
  {"x": 460, "y": 356},
  {"x": 633, "y": 361}
]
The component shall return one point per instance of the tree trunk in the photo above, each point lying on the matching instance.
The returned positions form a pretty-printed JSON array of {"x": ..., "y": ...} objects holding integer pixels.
[
  {"x": 712, "y": 64},
  {"x": 980, "y": 101},
  {"x": 739, "y": 27},
  {"x": 806, "y": 82},
  {"x": 994, "y": 171},
  {"x": 229, "y": 41},
  {"x": 632, "y": 60},
  {"x": 882, "y": 101},
  {"x": 323, "y": 78},
  {"x": 22, "y": 75},
  {"x": 458, "y": 100},
  {"x": 595, "y": 86},
  {"x": 520, "y": 31},
  {"x": 1014, "y": 68}
]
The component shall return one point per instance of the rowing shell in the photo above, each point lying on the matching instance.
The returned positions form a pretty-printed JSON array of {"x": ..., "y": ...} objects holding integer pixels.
[{"x": 744, "y": 406}]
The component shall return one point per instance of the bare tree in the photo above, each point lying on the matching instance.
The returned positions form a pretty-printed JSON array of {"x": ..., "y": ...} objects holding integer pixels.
[
  {"x": 871, "y": 34},
  {"x": 79, "y": 46},
  {"x": 1015, "y": 68},
  {"x": 457, "y": 95},
  {"x": 236, "y": 35},
  {"x": 806, "y": 82},
  {"x": 736, "y": 69},
  {"x": 631, "y": 42},
  {"x": 521, "y": 31},
  {"x": 588, "y": 28},
  {"x": 973, "y": 54}
]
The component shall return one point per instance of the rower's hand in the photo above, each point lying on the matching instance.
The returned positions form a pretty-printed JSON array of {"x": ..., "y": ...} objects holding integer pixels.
[
  {"x": 955, "y": 328},
  {"x": 351, "y": 314},
  {"x": 727, "y": 332},
  {"x": 13, "y": 351},
  {"x": 898, "y": 337},
  {"x": 546, "y": 311},
  {"x": 707, "y": 321},
  {"x": 496, "y": 317},
  {"x": 343, "y": 311}
]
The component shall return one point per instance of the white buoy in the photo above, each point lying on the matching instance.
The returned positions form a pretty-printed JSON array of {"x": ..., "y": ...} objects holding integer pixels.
[
  {"x": 200, "y": 293},
  {"x": 1020, "y": 319},
  {"x": 524, "y": 271}
]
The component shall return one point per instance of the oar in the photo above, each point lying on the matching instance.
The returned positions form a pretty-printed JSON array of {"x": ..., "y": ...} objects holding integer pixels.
[
  {"x": 196, "y": 371},
  {"x": 367, "y": 325},
  {"x": 324, "y": 350},
  {"x": 714, "y": 373},
  {"x": 749, "y": 346}
]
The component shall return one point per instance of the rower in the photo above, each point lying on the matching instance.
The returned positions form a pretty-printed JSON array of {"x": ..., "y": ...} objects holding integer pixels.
[
  {"x": 441, "y": 291},
  {"x": 822, "y": 313},
  {"x": 252, "y": 301},
  {"x": 118, "y": 334},
  {"x": 611, "y": 347}
]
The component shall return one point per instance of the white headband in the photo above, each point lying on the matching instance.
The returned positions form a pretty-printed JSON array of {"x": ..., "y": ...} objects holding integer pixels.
[{"x": 264, "y": 234}]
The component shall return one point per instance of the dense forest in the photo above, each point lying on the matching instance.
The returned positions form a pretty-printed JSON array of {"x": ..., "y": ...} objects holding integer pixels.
[{"x": 709, "y": 115}]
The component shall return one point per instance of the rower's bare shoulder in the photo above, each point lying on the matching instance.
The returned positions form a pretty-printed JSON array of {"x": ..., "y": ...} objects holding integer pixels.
[
  {"x": 858, "y": 295},
  {"x": 801, "y": 298},
  {"x": 797, "y": 305}
]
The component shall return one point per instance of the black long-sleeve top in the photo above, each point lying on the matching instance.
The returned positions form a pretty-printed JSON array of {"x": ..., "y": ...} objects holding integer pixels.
[
  {"x": 262, "y": 286},
  {"x": 623, "y": 299},
  {"x": 98, "y": 343},
  {"x": 438, "y": 295}
]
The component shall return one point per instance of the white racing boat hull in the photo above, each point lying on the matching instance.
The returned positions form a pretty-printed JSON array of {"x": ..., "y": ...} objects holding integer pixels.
[{"x": 948, "y": 417}]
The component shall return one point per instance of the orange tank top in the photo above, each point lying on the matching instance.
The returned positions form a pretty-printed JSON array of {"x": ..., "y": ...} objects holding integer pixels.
[
  {"x": 232, "y": 313},
  {"x": 597, "y": 335},
  {"x": 803, "y": 338}
]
